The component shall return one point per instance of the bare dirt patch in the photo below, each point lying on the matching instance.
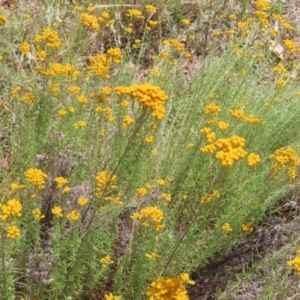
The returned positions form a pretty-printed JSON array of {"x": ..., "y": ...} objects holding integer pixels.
[{"x": 274, "y": 233}]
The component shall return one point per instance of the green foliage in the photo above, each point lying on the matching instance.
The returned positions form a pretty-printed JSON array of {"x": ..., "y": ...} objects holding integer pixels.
[{"x": 126, "y": 157}]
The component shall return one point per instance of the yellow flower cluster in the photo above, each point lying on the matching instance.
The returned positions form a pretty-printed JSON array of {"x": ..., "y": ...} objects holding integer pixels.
[
  {"x": 209, "y": 197},
  {"x": 280, "y": 69},
  {"x": 107, "y": 111},
  {"x": 73, "y": 215},
  {"x": 50, "y": 37},
  {"x": 89, "y": 21},
  {"x": 135, "y": 13},
  {"x": 41, "y": 54},
  {"x": 209, "y": 134},
  {"x": 149, "y": 95},
  {"x": 80, "y": 124},
  {"x": 226, "y": 227},
  {"x": 82, "y": 99},
  {"x": 152, "y": 256},
  {"x": 243, "y": 25},
  {"x": 57, "y": 211},
  {"x": 166, "y": 196},
  {"x": 36, "y": 177},
  {"x": 283, "y": 21},
  {"x": 280, "y": 83},
  {"x": 253, "y": 120},
  {"x": 61, "y": 181},
  {"x": 295, "y": 262},
  {"x": 141, "y": 192},
  {"x": 38, "y": 214},
  {"x": 24, "y": 48},
  {"x": 149, "y": 139},
  {"x": 16, "y": 186},
  {"x": 28, "y": 98},
  {"x": 253, "y": 159},
  {"x": 169, "y": 288},
  {"x": 82, "y": 201},
  {"x": 223, "y": 125},
  {"x": 175, "y": 44},
  {"x": 114, "y": 55},
  {"x": 150, "y": 214},
  {"x": 185, "y": 22},
  {"x": 106, "y": 261},
  {"x": 61, "y": 113},
  {"x": 57, "y": 69},
  {"x": 237, "y": 113},
  {"x": 110, "y": 296},
  {"x": 105, "y": 182},
  {"x": 127, "y": 121},
  {"x": 160, "y": 181},
  {"x": 3, "y": 19},
  {"x": 231, "y": 149},
  {"x": 12, "y": 231},
  {"x": 101, "y": 64},
  {"x": 285, "y": 159},
  {"x": 14, "y": 91},
  {"x": 12, "y": 208},
  {"x": 290, "y": 45},
  {"x": 54, "y": 89},
  {"x": 262, "y": 17},
  {"x": 212, "y": 108},
  {"x": 247, "y": 227},
  {"x": 150, "y": 8},
  {"x": 115, "y": 200},
  {"x": 262, "y": 5},
  {"x": 74, "y": 89}
]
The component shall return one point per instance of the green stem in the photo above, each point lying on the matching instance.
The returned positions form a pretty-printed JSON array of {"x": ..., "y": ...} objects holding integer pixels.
[
  {"x": 2, "y": 250},
  {"x": 196, "y": 215},
  {"x": 139, "y": 124},
  {"x": 283, "y": 295}
]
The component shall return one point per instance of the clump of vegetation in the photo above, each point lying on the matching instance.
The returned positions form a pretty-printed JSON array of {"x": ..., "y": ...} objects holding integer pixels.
[{"x": 139, "y": 141}]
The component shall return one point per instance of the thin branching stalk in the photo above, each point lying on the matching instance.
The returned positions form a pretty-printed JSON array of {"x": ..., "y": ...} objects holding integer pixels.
[
  {"x": 171, "y": 257},
  {"x": 140, "y": 122}
]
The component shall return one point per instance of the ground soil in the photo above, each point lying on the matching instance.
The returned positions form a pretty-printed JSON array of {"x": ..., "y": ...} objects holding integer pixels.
[{"x": 272, "y": 234}]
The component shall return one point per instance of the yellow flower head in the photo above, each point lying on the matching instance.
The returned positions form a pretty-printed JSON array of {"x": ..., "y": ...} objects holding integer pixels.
[
  {"x": 253, "y": 159},
  {"x": 83, "y": 201},
  {"x": 135, "y": 13},
  {"x": 105, "y": 261},
  {"x": 169, "y": 288},
  {"x": 110, "y": 296},
  {"x": 73, "y": 215},
  {"x": 150, "y": 215},
  {"x": 150, "y": 8},
  {"x": 226, "y": 227},
  {"x": 24, "y": 48},
  {"x": 105, "y": 181},
  {"x": 3, "y": 19},
  {"x": 57, "y": 211},
  {"x": 12, "y": 208},
  {"x": 247, "y": 227},
  {"x": 185, "y": 21},
  {"x": 38, "y": 214},
  {"x": 150, "y": 96},
  {"x": 12, "y": 231},
  {"x": 36, "y": 177},
  {"x": 80, "y": 124},
  {"x": 89, "y": 21},
  {"x": 61, "y": 181}
]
